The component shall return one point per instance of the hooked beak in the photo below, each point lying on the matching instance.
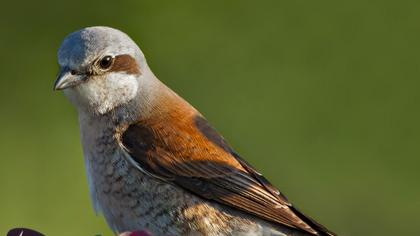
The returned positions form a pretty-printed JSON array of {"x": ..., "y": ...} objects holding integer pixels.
[{"x": 68, "y": 79}]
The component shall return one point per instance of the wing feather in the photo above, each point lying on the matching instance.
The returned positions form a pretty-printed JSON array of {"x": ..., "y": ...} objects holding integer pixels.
[{"x": 192, "y": 155}]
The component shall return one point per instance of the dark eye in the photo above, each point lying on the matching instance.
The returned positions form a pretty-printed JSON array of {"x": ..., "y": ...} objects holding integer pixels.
[{"x": 106, "y": 62}]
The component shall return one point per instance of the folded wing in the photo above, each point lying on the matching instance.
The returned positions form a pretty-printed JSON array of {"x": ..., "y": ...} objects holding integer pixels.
[{"x": 192, "y": 155}]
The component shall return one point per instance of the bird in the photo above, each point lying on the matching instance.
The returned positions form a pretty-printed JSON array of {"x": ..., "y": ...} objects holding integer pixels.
[{"x": 153, "y": 161}]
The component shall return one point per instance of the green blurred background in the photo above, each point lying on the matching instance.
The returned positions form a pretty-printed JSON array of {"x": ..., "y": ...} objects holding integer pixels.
[{"x": 322, "y": 97}]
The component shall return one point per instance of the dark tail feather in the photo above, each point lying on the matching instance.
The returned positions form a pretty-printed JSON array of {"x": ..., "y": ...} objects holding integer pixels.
[{"x": 311, "y": 222}]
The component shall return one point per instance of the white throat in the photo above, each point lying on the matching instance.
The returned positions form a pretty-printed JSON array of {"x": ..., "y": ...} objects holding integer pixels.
[{"x": 101, "y": 95}]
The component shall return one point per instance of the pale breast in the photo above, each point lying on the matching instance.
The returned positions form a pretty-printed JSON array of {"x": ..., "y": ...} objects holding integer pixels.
[{"x": 128, "y": 198}]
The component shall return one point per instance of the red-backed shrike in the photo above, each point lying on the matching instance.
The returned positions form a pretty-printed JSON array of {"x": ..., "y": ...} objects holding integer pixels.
[{"x": 153, "y": 161}]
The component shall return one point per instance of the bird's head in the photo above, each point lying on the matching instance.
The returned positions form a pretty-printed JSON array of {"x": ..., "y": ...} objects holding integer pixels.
[{"x": 101, "y": 68}]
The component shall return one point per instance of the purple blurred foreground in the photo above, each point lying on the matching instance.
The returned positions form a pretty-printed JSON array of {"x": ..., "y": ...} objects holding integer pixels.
[{"x": 136, "y": 233}]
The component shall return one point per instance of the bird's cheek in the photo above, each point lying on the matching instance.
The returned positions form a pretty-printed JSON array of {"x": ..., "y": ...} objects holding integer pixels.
[
  {"x": 118, "y": 90},
  {"x": 83, "y": 96}
]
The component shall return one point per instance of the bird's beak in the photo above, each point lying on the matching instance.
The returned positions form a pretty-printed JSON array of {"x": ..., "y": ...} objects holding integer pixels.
[{"x": 67, "y": 79}]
